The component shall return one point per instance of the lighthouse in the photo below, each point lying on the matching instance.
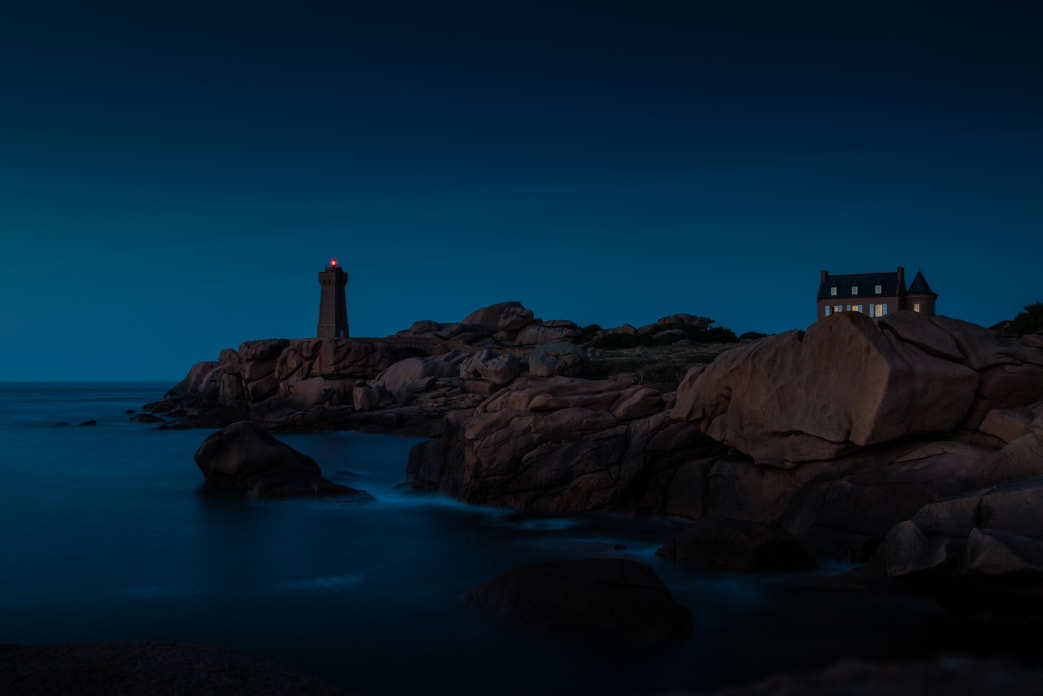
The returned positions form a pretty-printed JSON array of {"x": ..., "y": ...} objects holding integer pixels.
[{"x": 333, "y": 306}]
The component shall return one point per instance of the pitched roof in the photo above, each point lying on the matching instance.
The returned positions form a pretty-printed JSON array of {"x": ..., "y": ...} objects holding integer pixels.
[
  {"x": 919, "y": 286},
  {"x": 866, "y": 283}
]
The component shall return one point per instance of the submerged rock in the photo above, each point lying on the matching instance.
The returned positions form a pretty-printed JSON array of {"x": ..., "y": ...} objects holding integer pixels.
[
  {"x": 146, "y": 418},
  {"x": 603, "y": 599},
  {"x": 243, "y": 457}
]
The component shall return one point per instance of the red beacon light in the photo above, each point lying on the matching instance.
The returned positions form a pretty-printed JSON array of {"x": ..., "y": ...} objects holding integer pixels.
[{"x": 333, "y": 262}]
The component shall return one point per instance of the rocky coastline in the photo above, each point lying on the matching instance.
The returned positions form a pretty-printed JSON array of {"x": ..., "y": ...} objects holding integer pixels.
[{"x": 910, "y": 445}]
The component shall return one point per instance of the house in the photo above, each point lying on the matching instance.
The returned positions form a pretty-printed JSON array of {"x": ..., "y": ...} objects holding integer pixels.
[{"x": 875, "y": 294}]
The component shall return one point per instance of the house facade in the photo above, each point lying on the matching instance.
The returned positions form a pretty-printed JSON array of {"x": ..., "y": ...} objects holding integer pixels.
[{"x": 875, "y": 294}]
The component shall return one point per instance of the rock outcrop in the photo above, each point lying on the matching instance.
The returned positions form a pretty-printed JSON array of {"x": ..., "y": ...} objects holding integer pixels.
[
  {"x": 406, "y": 382},
  {"x": 836, "y": 435},
  {"x": 607, "y": 600},
  {"x": 561, "y": 444},
  {"x": 243, "y": 458},
  {"x": 555, "y": 359},
  {"x": 487, "y": 371},
  {"x": 981, "y": 546},
  {"x": 513, "y": 324},
  {"x": 845, "y": 510},
  {"x": 850, "y": 382}
]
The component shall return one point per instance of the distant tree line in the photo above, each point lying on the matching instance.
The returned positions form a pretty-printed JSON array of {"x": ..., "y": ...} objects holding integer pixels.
[{"x": 1028, "y": 321}]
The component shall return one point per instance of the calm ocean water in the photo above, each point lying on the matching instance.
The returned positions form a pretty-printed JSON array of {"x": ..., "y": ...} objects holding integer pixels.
[{"x": 107, "y": 534}]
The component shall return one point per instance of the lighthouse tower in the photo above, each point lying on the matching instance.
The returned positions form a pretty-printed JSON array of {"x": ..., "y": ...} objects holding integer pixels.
[{"x": 333, "y": 307}]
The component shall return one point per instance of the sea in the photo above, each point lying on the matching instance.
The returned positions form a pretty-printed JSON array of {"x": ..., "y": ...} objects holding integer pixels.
[{"x": 108, "y": 533}]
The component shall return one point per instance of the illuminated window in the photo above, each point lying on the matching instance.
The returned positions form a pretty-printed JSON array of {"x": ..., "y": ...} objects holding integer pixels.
[
  {"x": 877, "y": 310},
  {"x": 833, "y": 291},
  {"x": 872, "y": 310},
  {"x": 858, "y": 308},
  {"x": 878, "y": 288},
  {"x": 828, "y": 310},
  {"x": 916, "y": 307},
  {"x": 854, "y": 289},
  {"x": 848, "y": 308}
]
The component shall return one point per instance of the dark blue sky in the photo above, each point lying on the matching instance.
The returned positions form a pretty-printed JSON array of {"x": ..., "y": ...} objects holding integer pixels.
[{"x": 174, "y": 175}]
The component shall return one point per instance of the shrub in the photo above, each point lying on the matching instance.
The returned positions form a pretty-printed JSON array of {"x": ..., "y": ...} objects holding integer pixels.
[
  {"x": 621, "y": 341},
  {"x": 719, "y": 334},
  {"x": 586, "y": 334},
  {"x": 1028, "y": 321}
]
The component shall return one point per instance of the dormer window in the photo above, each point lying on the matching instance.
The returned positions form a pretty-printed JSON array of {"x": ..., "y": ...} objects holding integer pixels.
[
  {"x": 854, "y": 289},
  {"x": 833, "y": 291},
  {"x": 878, "y": 288}
]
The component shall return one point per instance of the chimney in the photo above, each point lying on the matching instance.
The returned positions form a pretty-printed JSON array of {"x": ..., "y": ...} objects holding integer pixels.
[
  {"x": 901, "y": 280},
  {"x": 825, "y": 274}
]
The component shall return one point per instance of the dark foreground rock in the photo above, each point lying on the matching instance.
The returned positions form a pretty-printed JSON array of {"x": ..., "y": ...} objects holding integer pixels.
[
  {"x": 147, "y": 667},
  {"x": 602, "y": 599},
  {"x": 979, "y": 550},
  {"x": 953, "y": 676},
  {"x": 243, "y": 457},
  {"x": 737, "y": 545}
]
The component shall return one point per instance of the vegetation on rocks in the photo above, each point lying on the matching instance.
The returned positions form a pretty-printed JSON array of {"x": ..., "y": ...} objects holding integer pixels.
[
  {"x": 1026, "y": 322},
  {"x": 662, "y": 367},
  {"x": 665, "y": 334}
]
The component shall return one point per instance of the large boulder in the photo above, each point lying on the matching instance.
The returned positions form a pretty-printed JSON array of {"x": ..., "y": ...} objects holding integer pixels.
[
  {"x": 311, "y": 391},
  {"x": 243, "y": 457},
  {"x": 846, "y": 510},
  {"x": 542, "y": 332},
  {"x": 852, "y": 382},
  {"x": 503, "y": 316},
  {"x": 370, "y": 396},
  {"x": 454, "y": 332},
  {"x": 996, "y": 531},
  {"x": 603, "y": 599},
  {"x": 407, "y": 377},
  {"x": 558, "y": 444},
  {"x": 489, "y": 366},
  {"x": 554, "y": 359},
  {"x": 511, "y": 323}
]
